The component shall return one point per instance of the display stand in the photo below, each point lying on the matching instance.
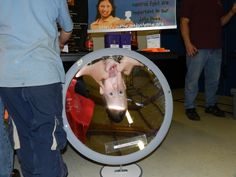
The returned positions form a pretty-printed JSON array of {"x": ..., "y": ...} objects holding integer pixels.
[
  {"x": 132, "y": 170},
  {"x": 120, "y": 144}
]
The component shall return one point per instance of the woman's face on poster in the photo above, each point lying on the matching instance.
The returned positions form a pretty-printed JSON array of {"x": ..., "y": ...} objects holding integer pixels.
[{"x": 105, "y": 9}]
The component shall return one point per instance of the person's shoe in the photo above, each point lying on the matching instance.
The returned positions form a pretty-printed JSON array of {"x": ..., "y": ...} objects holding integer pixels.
[
  {"x": 15, "y": 173},
  {"x": 215, "y": 111},
  {"x": 192, "y": 114}
]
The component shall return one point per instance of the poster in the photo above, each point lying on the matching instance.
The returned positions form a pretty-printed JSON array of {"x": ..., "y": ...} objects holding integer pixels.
[{"x": 131, "y": 15}]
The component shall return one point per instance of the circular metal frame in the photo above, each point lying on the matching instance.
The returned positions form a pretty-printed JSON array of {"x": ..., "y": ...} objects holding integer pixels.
[{"x": 133, "y": 157}]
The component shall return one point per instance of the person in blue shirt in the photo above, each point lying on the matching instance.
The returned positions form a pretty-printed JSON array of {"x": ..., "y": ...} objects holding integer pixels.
[
  {"x": 31, "y": 78},
  {"x": 6, "y": 146},
  {"x": 6, "y": 150}
]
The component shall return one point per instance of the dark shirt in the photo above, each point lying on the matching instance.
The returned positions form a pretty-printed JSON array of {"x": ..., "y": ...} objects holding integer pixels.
[{"x": 205, "y": 25}]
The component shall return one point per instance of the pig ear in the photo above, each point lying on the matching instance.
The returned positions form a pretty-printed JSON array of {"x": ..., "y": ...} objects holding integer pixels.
[
  {"x": 101, "y": 90},
  {"x": 124, "y": 85}
]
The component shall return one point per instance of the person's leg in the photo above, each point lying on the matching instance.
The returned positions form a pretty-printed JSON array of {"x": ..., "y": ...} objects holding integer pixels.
[
  {"x": 212, "y": 76},
  {"x": 6, "y": 150},
  {"x": 37, "y": 113},
  {"x": 195, "y": 66}
]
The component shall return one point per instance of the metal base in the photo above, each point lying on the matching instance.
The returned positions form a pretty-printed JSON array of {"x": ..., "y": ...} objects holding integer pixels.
[{"x": 132, "y": 170}]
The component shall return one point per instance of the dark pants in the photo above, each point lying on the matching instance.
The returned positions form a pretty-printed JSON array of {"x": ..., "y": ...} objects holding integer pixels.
[{"x": 37, "y": 114}]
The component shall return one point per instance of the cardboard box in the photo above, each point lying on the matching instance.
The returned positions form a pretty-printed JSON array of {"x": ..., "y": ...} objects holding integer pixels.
[
  {"x": 153, "y": 41},
  {"x": 112, "y": 40},
  {"x": 125, "y": 40}
]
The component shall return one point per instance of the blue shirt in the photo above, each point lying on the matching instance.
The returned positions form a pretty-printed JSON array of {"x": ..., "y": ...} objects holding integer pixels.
[{"x": 29, "y": 46}]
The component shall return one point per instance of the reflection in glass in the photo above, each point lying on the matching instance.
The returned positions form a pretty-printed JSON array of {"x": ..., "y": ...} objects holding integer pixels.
[{"x": 115, "y": 105}]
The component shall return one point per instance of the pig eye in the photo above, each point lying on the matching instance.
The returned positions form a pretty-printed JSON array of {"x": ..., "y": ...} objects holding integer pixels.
[
  {"x": 120, "y": 92},
  {"x": 111, "y": 94}
]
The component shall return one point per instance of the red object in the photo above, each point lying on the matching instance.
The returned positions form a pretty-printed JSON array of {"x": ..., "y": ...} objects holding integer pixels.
[
  {"x": 89, "y": 43},
  {"x": 155, "y": 50},
  {"x": 79, "y": 111}
]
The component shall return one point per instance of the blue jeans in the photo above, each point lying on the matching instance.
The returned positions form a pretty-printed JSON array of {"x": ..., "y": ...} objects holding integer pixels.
[
  {"x": 6, "y": 150},
  {"x": 37, "y": 114},
  {"x": 209, "y": 60}
]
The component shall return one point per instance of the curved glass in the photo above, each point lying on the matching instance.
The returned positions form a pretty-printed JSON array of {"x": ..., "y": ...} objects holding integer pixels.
[{"x": 117, "y": 106}]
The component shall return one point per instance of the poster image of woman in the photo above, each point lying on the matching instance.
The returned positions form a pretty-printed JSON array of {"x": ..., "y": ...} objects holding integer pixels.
[{"x": 106, "y": 18}]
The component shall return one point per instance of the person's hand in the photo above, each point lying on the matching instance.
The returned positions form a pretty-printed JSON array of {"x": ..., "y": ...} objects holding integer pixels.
[
  {"x": 127, "y": 64},
  {"x": 191, "y": 49},
  {"x": 233, "y": 9},
  {"x": 61, "y": 46},
  {"x": 97, "y": 71}
]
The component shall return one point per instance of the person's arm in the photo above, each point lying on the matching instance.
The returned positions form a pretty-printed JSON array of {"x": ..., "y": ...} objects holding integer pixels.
[
  {"x": 63, "y": 38},
  {"x": 185, "y": 32},
  {"x": 65, "y": 22},
  {"x": 226, "y": 18}
]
